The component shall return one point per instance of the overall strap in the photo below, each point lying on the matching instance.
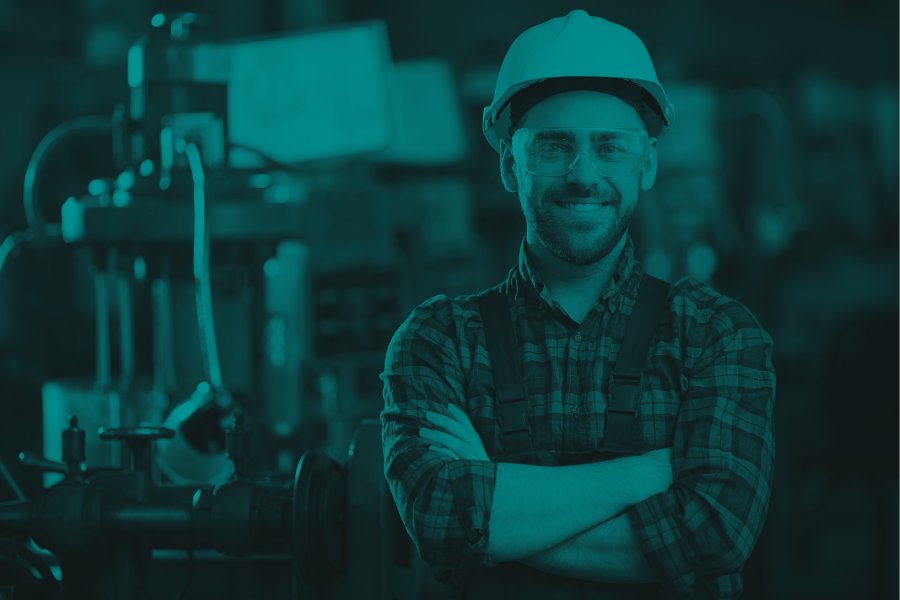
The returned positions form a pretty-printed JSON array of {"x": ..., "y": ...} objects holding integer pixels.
[
  {"x": 621, "y": 432},
  {"x": 508, "y": 377}
]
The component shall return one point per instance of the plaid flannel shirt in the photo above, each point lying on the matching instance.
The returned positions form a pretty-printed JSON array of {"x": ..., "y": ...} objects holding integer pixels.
[{"x": 708, "y": 391}]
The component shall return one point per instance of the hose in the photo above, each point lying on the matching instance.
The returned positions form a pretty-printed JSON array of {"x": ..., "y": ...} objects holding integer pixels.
[
  {"x": 11, "y": 241},
  {"x": 33, "y": 213},
  {"x": 201, "y": 272}
]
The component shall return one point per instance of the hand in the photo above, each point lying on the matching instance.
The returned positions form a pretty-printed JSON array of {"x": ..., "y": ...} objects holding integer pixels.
[{"x": 454, "y": 436}]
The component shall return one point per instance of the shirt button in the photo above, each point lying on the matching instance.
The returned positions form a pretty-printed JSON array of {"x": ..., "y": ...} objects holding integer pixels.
[
  {"x": 578, "y": 337},
  {"x": 576, "y": 411}
]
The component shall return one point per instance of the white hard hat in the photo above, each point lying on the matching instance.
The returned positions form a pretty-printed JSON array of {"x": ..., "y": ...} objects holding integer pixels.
[{"x": 577, "y": 45}]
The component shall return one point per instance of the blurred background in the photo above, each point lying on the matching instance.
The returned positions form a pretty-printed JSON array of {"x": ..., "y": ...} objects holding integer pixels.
[{"x": 338, "y": 203}]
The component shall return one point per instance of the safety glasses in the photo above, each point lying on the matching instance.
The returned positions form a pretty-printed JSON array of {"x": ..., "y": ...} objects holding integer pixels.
[{"x": 553, "y": 152}]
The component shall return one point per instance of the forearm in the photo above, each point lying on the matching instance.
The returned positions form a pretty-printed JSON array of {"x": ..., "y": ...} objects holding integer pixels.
[
  {"x": 608, "y": 552},
  {"x": 537, "y": 508}
]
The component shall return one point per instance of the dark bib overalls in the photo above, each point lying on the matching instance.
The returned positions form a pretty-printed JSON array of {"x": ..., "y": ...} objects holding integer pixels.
[{"x": 622, "y": 437}]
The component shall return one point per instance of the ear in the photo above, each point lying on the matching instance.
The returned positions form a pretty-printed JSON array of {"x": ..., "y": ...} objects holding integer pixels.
[
  {"x": 508, "y": 166},
  {"x": 649, "y": 177}
]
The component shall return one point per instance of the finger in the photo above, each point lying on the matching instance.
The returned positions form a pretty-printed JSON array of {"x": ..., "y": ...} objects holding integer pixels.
[
  {"x": 453, "y": 426},
  {"x": 460, "y": 416},
  {"x": 455, "y": 445},
  {"x": 444, "y": 451},
  {"x": 455, "y": 412}
]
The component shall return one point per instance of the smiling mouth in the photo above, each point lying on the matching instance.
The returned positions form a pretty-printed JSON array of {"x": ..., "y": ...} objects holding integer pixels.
[{"x": 582, "y": 207}]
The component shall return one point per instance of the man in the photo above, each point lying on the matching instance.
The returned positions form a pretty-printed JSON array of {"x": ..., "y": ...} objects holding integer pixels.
[{"x": 576, "y": 119}]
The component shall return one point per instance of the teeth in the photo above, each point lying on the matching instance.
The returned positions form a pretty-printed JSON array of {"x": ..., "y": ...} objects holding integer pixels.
[{"x": 583, "y": 207}]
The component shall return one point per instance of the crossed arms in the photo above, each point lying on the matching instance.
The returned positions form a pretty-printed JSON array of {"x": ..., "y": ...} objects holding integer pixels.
[{"x": 570, "y": 521}]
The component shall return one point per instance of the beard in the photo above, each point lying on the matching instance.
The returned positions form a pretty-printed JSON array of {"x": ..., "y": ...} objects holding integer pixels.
[{"x": 577, "y": 242}]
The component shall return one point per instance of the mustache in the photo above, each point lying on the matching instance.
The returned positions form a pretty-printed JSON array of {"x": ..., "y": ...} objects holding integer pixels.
[{"x": 563, "y": 193}]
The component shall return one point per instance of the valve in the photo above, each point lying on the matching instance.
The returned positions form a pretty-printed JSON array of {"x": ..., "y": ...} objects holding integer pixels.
[
  {"x": 73, "y": 446},
  {"x": 72, "y": 455},
  {"x": 138, "y": 440}
]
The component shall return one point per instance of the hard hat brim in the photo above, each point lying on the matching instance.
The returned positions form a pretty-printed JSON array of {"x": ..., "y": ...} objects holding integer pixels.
[{"x": 495, "y": 118}]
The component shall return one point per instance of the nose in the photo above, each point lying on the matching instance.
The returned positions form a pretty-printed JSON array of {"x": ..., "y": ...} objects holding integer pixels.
[{"x": 582, "y": 171}]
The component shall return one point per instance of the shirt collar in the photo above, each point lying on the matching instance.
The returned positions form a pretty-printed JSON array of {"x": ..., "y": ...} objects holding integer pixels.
[{"x": 528, "y": 281}]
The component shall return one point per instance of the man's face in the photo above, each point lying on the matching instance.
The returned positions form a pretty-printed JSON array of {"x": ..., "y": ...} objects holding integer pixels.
[{"x": 579, "y": 238}]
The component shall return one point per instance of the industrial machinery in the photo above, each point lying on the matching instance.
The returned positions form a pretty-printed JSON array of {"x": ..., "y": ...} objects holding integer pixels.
[
  {"x": 236, "y": 198},
  {"x": 335, "y": 522},
  {"x": 222, "y": 208}
]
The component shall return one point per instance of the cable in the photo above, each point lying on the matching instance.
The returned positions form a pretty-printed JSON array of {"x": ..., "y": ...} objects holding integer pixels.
[
  {"x": 201, "y": 271},
  {"x": 26, "y": 554},
  {"x": 33, "y": 213},
  {"x": 187, "y": 574}
]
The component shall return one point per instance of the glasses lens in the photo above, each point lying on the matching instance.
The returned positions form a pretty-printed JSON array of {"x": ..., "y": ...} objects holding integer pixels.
[{"x": 552, "y": 152}]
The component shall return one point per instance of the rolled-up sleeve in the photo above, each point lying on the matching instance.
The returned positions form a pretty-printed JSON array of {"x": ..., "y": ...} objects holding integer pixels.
[
  {"x": 697, "y": 536},
  {"x": 443, "y": 503}
]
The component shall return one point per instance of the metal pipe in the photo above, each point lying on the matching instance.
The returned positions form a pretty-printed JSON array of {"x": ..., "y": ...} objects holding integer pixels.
[
  {"x": 126, "y": 333},
  {"x": 163, "y": 347},
  {"x": 104, "y": 376},
  {"x": 157, "y": 289},
  {"x": 15, "y": 517},
  {"x": 146, "y": 519}
]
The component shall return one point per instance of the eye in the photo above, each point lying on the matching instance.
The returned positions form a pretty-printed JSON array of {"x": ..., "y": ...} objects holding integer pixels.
[{"x": 610, "y": 150}]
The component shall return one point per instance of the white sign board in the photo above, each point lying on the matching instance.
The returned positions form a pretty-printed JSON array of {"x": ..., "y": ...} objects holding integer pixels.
[{"x": 310, "y": 96}]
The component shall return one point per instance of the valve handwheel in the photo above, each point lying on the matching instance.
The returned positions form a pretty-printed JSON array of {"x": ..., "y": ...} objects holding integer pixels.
[
  {"x": 138, "y": 440},
  {"x": 129, "y": 434}
]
